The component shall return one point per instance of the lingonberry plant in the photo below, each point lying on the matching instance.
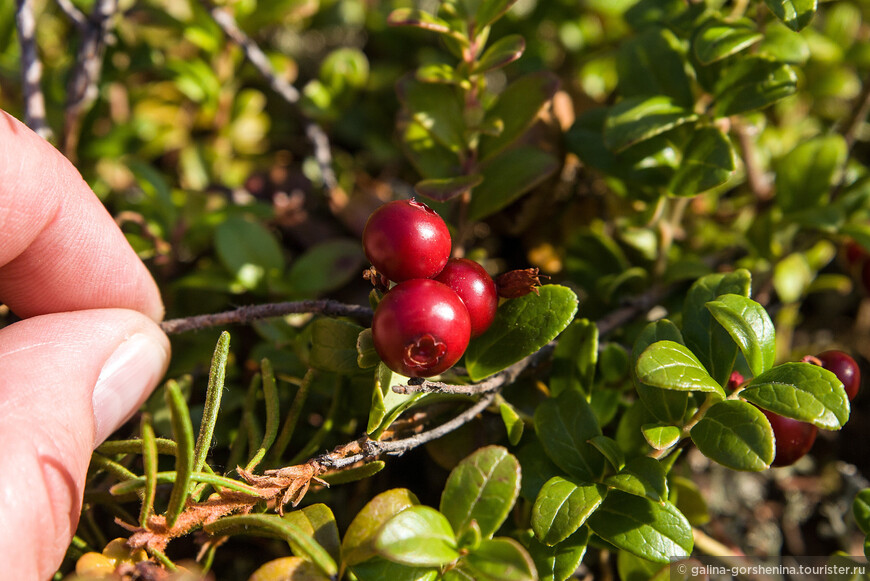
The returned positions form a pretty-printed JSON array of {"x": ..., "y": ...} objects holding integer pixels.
[{"x": 681, "y": 176}]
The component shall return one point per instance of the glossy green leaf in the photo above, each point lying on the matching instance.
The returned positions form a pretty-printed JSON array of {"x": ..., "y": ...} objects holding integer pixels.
[
  {"x": 802, "y": 391},
  {"x": 670, "y": 365},
  {"x": 562, "y": 506},
  {"x": 358, "y": 542},
  {"x": 792, "y": 277},
  {"x": 318, "y": 522},
  {"x": 500, "y": 559},
  {"x": 489, "y": 11},
  {"x": 182, "y": 433},
  {"x": 353, "y": 474},
  {"x": 419, "y": 536},
  {"x": 653, "y": 63},
  {"x": 653, "y": 531},
  {"x": 333, "y": 345},
  {"x": 517, "y": 107},
  {"x": 438, "y": 73},
  {"x": 564, "y": 425},
  {"x": 502, "y": 52},
  {"x": 419, "y": 19},
  {"x": 805, "y": 175},
  {"x": 508, "y": 176},
  {"x": 521, "y": 327},
  {"x": 751, "y": 83},
  {"x": 558, "y": 562},
  {"x": 387, "y": 405},
  {"x": 687, "y": 497},
  {"x": 378, "y": 569},
  {"x": 735, "y": 434},
  {"x": 326, "y": 267},
  {"x": 288, "y": 569},
  {"x": 661, "y": 436},
  {"x": 437, "y": 108},
  {"x": 249, "y": 251},
  {"x": 666, "y": 405},
  {"x": 751, "y": 328},
  {"x": 649, "y": 12},
  {"x": 444, "y": 189},
  {"x": 483, "y": 487},
  {"x": 428, "y": 156},
  {"x": 718, "y": 38},
  {"x": 366, "y": 354},
  {"x": 708, "y": 161},
  {"x": 641, "y": 476},
  {"x": 609, "y": 449},
  {"x": 861, "y": 510},
  {"x": 636, "y": 119},
  {"x": 513, "y": 423},
  {"x": 537, "y": 467},
  {"x": 711, "y": 343},
  {"x": 575, "y": 358},
  {"x": 784, "y": 45},
  {"x": 795, "y": 14}
]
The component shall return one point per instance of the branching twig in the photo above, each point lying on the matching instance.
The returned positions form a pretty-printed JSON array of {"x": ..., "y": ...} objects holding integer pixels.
[
  {"x": 73, "y": 13},
  {"x": 247, "y": 314},
  {"x": 82, "y": 89},
  {"x": 255, "y": 55},
  {"x": 31, "y": 70}
]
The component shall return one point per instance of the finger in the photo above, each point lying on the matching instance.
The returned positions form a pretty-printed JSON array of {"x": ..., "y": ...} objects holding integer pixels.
[
  {"x": 68, "y": 380},
  {"x": 60, "y": 250}
]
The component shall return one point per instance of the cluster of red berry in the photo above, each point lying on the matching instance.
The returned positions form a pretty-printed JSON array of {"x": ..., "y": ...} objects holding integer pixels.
[
  {"x": 423, "y": 324},
  {"x": 795, "y": 438}
]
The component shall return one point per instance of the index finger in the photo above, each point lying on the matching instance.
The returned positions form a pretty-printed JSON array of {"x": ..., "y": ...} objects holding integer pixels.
[{"x": 60, "y": 250}]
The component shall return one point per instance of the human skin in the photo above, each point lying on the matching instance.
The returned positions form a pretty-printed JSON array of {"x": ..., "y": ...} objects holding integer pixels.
[{"x": 84, "y": 357}]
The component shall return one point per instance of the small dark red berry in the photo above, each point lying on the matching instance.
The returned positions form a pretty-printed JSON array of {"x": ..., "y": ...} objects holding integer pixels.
[
  {"x": 421, "y": 328},
  {"x": 793, "y": 438},
  {"x": 406, "y": 239},
  {"x": 476, "y": 289},
  {"x": 845, "y": 368}
]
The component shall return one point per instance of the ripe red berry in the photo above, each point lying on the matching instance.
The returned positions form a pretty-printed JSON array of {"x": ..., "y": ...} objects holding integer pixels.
[
  {"x": 845, "y": 368},
  {"x": 476, "y": 289},
  {"x": 421, "y": 328},
  {"x": 406, "y": 239},
  {"x": 793, "y": 438}
]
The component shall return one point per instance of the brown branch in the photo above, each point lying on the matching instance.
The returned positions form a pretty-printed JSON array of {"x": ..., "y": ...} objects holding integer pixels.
[
  {"x": 255, "y": 55},
  {"x": 248, "y": 314},
  {"x": 82, "y": 89},
  {"x": 759, "y": 183},
  {"x": 73, "y": 13},
  {"x": 31, "y": 70}
]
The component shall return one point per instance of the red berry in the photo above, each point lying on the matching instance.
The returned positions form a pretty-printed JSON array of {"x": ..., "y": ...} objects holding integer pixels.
[
  {"x": 476, "y": 289},
  {"x": 421, "y": 328},
  {"x": 793, "y": 438},
  {"x": 406, "y": 239},
  {"x": 845, "y": 368}
]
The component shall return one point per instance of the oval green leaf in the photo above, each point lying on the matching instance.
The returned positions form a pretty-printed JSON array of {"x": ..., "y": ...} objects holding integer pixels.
[
  {"x": 334, "y": 345},
  {"x": 500, "y": 559},
  {"x": 249, "y": 251},
  {"x": 641, "y": 476},
  {"x": 564, "y": 425},
  {"x": 861, "y": 510},
  {"x": 805, "y": 175},
  {"x": 751, "y": 328},
  {"x": 669, "y": 365},
  {"x": 502, "y": 52},
  {"x": 419, "y": 536},
  {"x": 665, "y": 404},
  {"x": 735, "y": 434},
  {"x": 562, "y": 507},
  {"x": 753, "y": 82},
  {"x": 378, "y": 569},
  {"x": 444, "y": 189},
  {"x": 661, "y": 436},
  {"x": 708, "y": 161},
  {"x": 795, "y": 14},
  {"x": 637, "y": 119},
  {"x": 358, "y": 543},
  {"x": 718, "y": 39},
  {"x": 318, "y": 522},
  {"x": 507, "y": 176}
]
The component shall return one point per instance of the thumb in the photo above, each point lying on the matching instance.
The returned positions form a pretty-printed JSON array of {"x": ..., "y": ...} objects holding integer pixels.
[{"x": 68, "y": 380}]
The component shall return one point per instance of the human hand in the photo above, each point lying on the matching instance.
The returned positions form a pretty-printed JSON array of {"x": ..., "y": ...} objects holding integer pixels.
[{"x": 85, "y": 356}]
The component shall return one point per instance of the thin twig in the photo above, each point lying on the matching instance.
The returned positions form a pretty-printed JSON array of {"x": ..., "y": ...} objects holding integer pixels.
[
  {"x": 31, "y": 70},
  {"x": 73, "y": 13},
  {"x": 82, "y": 90},
  {"x": 255, "y": 55},
  {"x": 758, "y": 181},
  {"x": 248, "y": 314}
]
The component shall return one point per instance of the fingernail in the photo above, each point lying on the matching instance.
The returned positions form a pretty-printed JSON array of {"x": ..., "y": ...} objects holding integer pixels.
[{"x": 126, "y": 379}]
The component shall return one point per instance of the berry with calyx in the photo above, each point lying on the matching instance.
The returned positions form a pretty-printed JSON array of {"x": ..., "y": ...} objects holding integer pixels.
[
  {"x": 406, "y": 239},
  {"x": 476, "y": 289},
  {"x": 421, "y": 328},
  {"x": 844, "y": 367},
  {"x": 793, "y": 438}
]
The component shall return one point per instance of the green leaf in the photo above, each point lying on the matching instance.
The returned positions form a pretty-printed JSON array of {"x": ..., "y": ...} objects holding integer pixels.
[
  {"x": 437, "y": 108},
  {"x": 508, "y": 176},
  {"x": 784, "y": 45},
  {"x": 653, "y": 63},
  {"x": 325, "y": 267},
  {"x": 708, "y": 340},
  {"x": 444, "y": 189},
  {"x": 575, "y": 358},
  {"x": 751, "y": 328},
  {"x": 318, "y": 522},
  {"x": 562, "y": 507},
  {"x": 805, "y": 175},
  {"x": 429, "y": 157},
  {"x": 609, "y": 449},
  {"x": 353, "y": 474},
  {"x": 861, "y": 510},
  {"x": 438, "y": 73},
  {"x": 795, "y": 14},
  {"x": 637, "y": 119},
  {"x": 419, "y": 19},
  {"x": 735, "y": 434},
  {"x": 641, "y": 476},
  {"x": 333, "y": 345},
  {"x": 418, "y": 536},
  {"x": 792, "y": 277},
  {"x": 358, "y": 543},
  {"x": 500, "y": 559},
  {"x": 536, "y": 467},
  {"x": 513, "y": 423},
  {"x": 687, "y": 497},
  {"x": 801, "y": 391},
  {"x": 502, "y": 52},
  {"x": 521, "y": 327},
  {"x": 366, "y": 354},
  {"x": 483, "y": 487},
  {"x": 670, "y": 365},
  {"x": 666, "y": 405},
  {"x": 517, "y": 107},
  {"x": 718, "y": 39},
  {"x": 559, "y": 562},
  {"x": 378, "y": 569},
  {"x": 564, "y": 425},
  {"x": 661, "y": 436},
  {"x": 288, "y": 569},
  {"x": 653, "y": 531},
  {"x": 387, "y": 405},
  {"x": 489, "y": 11},
  {"x": 708, "y": 161},
  {"x": 751, "y": 83},
  {"x": 249, "y": 251},
  {"x": 182, "y": 433}
]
